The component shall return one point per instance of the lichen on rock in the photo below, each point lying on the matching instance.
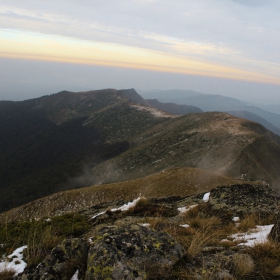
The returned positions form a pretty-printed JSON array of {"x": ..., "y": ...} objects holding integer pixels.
[
  {"x": 126, "y": 252},
  {"x": 61, "y": 263},
  {"x": 245, "y": 199}
]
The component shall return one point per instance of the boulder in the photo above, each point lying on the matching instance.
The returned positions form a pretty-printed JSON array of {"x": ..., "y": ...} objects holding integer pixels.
[
  {"x": 245, "y": 199},
  {"x": 274, "y": 234},
  {"x": 131, "y": 252},
  {"x": 61, "y": 263}
]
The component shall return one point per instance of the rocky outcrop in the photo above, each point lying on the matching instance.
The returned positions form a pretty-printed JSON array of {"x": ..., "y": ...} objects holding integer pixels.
[
  {"x": 125, "y": 252},
  {"x": 274, "y": 234},
  {"x": 118, "y": 246},
  {"x": 128, "y": 252},
  {"x": 245, "y": 199},
  {"x": 62, "y": 263}
]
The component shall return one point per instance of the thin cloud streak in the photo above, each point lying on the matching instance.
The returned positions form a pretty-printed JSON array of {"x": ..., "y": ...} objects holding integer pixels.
[{"x": 57, "y": 48}]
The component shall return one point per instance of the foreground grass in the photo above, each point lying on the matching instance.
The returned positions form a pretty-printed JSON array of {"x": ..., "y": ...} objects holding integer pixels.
[
  {"x": 206, "y": 228},
  {"x": 41, "y": 236}
]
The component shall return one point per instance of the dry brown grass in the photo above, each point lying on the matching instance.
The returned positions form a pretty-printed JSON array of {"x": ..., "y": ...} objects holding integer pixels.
[
  {"x": 192, "y": 212},
  {"x": 140, "y": 206},
  {"x": 39, "y": 245},
  {"x": 266, "y": 257},
  {"x": 249, "y": 222},
  {"x": 276, "y": 271},
  {"x": 184, "y": 182},
  {"x": 7, "y": 274},
  {"x": 243, "y": 265}
]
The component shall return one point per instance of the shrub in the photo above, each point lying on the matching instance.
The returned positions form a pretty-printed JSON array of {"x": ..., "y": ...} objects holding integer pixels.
[{"x": 243, "y": 265}]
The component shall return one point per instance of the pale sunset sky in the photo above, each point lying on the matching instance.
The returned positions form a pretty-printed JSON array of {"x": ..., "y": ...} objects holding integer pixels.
[{"x": 228, "y": 47}]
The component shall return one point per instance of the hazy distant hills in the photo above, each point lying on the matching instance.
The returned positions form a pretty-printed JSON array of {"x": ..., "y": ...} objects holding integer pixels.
[
  {"x": 273, "y": 108},
  {"x": 210, "y": 103},
  {"x": 206, "y": 102},
  {"x": 173, "y": 108},
  {"x": 173, "y": 95},
  {"x": 70, "y": 140},
  {"x": 169, "y": 107},
  {"x": 255, "y": 118}
]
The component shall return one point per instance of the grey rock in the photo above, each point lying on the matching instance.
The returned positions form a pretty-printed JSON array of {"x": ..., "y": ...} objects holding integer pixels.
[
  {"x": 131, "y": 252},
  {"x": 274, "y": 234},
  {"x": 245, "y": 199},
  {"x": 62, "y": 263}
]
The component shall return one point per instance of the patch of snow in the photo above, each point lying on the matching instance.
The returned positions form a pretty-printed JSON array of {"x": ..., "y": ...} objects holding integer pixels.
[
  {"x": 184, "y": 209},
  {"x": 144, "y": 225},
  {"x": 75, "y": 276},
  {"x": 206, "y": 197},
  {"x": 122, "y": 208},
  {"x": 128, "y": 205},
  {"x": 155, "y": 112},
  {"x": 16, "y": 263},
  {"x": 235, "y": 219},
  {"x": 252, "y": 237},
  {"x": 97, "y": 215},
  {"x": 185, "y": 226}
]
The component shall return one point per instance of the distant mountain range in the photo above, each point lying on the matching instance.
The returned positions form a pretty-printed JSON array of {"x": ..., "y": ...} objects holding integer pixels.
[
  {"x": 219, "y": 103},
  {"x": 70, "y": 140}
]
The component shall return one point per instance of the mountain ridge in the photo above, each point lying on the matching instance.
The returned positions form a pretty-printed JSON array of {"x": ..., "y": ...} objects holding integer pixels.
[
  {"x": 102, "y": 136},
  {"x": 215, "y": 102}
]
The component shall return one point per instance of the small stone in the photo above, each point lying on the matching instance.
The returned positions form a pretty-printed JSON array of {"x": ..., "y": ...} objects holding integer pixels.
[{"x": 224, "y": 275}]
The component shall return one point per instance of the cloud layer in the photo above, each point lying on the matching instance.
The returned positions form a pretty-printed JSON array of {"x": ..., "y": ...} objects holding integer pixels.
[{"x": 229, "y": 39}]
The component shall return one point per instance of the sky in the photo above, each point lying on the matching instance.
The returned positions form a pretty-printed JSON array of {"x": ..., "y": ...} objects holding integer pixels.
[{"x": 229, "y": 47}]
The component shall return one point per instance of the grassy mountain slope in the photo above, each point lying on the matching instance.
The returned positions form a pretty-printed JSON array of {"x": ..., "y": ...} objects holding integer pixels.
[
  {"x": 171, "y": 182},
  {"x": 46, "y": 141},
  {"x": 72, "y": 140},
  {"x": 212, "y": 141}
]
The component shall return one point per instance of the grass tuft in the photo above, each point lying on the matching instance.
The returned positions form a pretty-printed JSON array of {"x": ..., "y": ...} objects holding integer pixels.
[
  {"x": 243, "y": 265},
  {"x": 249, "y": 222}
]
